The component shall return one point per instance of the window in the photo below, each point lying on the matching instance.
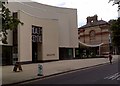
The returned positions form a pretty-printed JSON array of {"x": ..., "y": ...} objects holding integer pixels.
[
  {"x": 36, "y": 34},
  {"x": 92, "y": 35}
]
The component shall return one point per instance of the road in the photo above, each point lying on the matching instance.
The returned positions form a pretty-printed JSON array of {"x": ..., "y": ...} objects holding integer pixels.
[{"x": 103, "y": 74}]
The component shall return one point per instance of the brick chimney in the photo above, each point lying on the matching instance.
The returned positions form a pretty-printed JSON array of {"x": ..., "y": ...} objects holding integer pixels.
[
  {"x": 88, "y": 20},
  {"x": 92, "y": 19},
  {"x": 95, "y": 18}
]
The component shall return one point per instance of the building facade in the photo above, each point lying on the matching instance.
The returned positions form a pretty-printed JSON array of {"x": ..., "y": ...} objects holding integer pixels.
[
  {"x": 94, "y": 36},
  {"x": 49, "y": 33}
]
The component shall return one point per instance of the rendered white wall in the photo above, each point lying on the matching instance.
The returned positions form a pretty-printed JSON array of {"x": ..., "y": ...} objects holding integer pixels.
[
  {"x": 50, "y": 37},
  {"x": 67, "y": 19}
]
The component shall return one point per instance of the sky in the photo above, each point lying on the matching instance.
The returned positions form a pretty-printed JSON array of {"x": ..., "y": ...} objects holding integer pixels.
[{"x": 85, "y": 8}]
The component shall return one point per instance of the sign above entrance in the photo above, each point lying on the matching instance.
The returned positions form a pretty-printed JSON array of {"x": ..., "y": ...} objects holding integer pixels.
[{"x": 36, "y": 34}]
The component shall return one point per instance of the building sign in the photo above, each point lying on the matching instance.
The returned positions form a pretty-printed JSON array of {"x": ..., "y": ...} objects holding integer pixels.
[
  {"x": 36, "y": 34},
  {"x": 50, "y": 54}
]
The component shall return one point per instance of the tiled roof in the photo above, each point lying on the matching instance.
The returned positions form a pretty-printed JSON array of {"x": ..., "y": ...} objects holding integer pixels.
[{"x": 92, "y": 24}]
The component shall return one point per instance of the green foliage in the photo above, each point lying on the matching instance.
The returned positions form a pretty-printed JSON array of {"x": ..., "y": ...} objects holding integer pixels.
[
  {"x": 115, "y": 32},
  {"x": 8, "y": 22},
  {"x": 115, "y": 29}
]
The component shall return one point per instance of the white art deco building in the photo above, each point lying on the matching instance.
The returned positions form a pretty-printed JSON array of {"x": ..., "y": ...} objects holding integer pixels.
[{"x": 49, "y": 33}]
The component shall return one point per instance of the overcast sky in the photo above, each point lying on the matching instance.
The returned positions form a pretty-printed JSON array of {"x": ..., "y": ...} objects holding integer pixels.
[{"x": 85, "y": 8}]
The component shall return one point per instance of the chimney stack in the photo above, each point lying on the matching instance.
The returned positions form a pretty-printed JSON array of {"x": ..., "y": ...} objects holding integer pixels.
[{"x": 92, "y": 19}]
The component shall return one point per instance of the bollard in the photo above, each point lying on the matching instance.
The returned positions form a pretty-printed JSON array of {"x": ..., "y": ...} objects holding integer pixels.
[{"x": 40, "y": 70}]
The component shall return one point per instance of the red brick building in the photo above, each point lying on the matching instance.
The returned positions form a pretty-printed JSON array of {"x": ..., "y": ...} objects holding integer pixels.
[{"x": 94, "y": 37}]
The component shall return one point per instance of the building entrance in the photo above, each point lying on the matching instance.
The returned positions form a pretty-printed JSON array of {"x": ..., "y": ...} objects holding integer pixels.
[
  {"x": 65, "y": 53},
  {"x": 6, "y": 55},
  {"x": 36, "y": 43},
  {"x": 34, "y": 52}
]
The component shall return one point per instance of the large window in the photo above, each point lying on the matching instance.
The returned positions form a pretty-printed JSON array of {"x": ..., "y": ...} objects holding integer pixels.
[
  {"x": 92, "y": 35},
  {"x": 36, "y": 34}
]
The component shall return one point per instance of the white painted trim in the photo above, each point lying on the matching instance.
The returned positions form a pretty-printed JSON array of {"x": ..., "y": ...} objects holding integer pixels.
[{"x": 90, "y": 45}]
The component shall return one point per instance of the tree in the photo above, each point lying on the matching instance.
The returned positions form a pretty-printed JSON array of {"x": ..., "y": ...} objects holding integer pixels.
[
  {"x": 8, "y": 22},
  {"x": 115, "y": 30},
  {"x": 116, "y": 2}
]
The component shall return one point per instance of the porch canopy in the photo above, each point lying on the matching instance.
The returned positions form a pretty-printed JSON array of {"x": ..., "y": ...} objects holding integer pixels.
[{"x": 87, "y": 45}]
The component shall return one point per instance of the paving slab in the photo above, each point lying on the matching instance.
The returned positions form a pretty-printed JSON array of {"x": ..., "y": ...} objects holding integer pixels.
[{"x": 30, "y": 71}]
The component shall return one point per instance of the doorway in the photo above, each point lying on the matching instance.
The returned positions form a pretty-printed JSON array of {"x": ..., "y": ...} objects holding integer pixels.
[
  {"x": 34, "y": 52},
  {"x": 7, "y": 55},
  {"x": 36, "y": 43}
]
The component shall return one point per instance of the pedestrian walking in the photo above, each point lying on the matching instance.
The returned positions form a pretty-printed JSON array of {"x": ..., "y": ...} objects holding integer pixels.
[{"x": 110, "y": 58}]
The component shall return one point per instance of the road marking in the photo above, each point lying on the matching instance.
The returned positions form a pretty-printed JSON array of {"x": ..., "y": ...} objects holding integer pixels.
[
  {"x": 115, "y": 76},
  {"x": 118, "y": 78}
]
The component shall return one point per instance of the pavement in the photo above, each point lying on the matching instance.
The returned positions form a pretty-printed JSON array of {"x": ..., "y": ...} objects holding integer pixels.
[{"x": 30, "y": 71}]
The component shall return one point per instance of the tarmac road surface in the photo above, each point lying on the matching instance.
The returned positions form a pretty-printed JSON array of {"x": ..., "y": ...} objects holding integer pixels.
[{"x": 104, "y": 74}]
